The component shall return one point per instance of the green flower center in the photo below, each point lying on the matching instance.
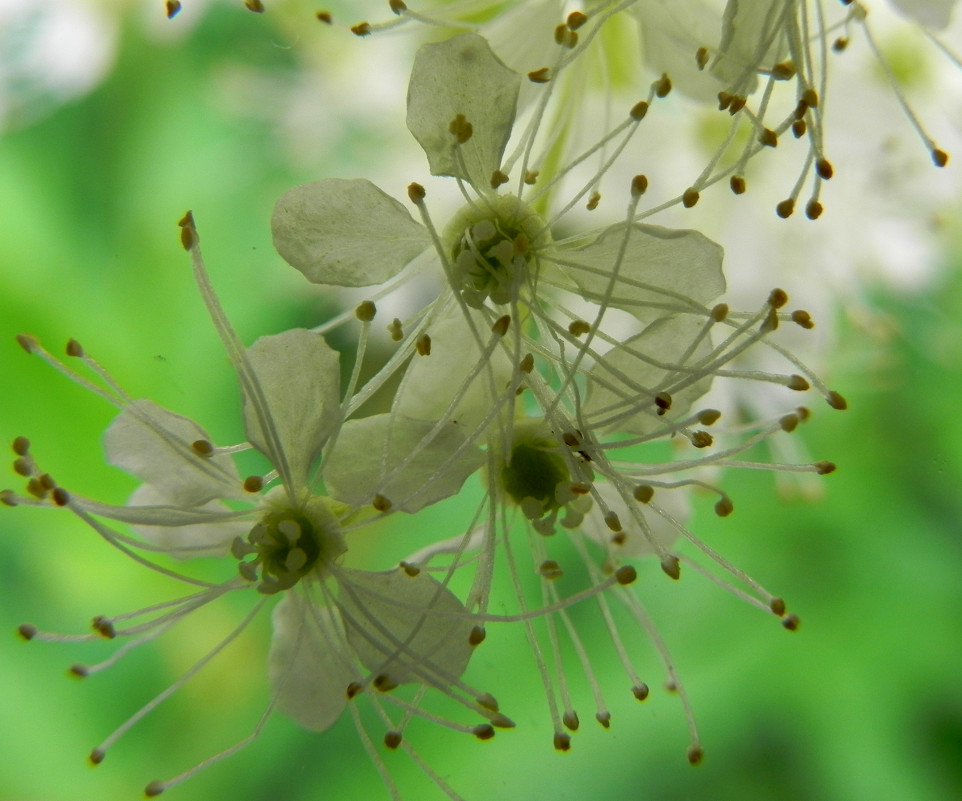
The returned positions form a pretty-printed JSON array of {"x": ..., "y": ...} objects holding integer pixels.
[
  {"x": 493, "y": 246},
  {"x": 534, "y": 472}
]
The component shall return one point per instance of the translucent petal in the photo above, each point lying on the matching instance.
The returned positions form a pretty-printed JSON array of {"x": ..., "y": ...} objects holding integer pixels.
[
  {"x": 406, "y": 628},
  {"x": 191, "y": 541},
  {"x": 934, "y": 14},
  {"x": 462, "y": 76},
  {"x": 310, "y": 665},
  {"x": 154, "y": 445},
  {"x": 369, "y": 451},
  {"x": 433, "y": 382},
  {"x": 662, "y": 267},
  {"x": 753, "y": 38},
  {"x": 634, "y": 541},
  {"x": 295, "y": 404},
  {"x": 623, "y": 384},
  {"x": 345, "y": 232}
]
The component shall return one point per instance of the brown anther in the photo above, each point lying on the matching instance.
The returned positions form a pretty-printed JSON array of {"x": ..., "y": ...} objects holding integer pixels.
[
  {"x": 325, "y": 17},
  {"x": 701, "y": 439},
  {"x": 643, "y": 493},
  {"x": 502, "y": 722},
  {"x": 501, "y": 325},
  {"x": 593, "y": 201},
  {"x": 380, "y": 503},
  {"x": 461, "y": 129},
  {"x": 640, "y": 691},
  {"x": 708, "y": 417},
  {"x": 361, "y": 29},
  {"x": 663, "y": 402},
  {"x": 155, "y": 788},
  {"x": 392, "y": 739},
  {"x": 939, "y": 157},
  {"x": 810, "y": 96},
  {"x": 798, "y": 383},
  {"x": 365, "y": 311},
  {"x": 188, "y": 233},
  {"x": 27, "y": 631},
  {"x": 701, "y": 57},
  {"x": 777, "y": 605},
  {"x": 8, "y": 498},
  {"x": 836, "y": 401},
  {"x": 604, "y": 718},
  {"x": 824, "y": 468},
  {"x": 689, "y": 197},
  {"x": 202, "y": 447},
  {"x": 789, "y": 422},
  {"x": 777, "y": 298},
  {"x": 254, "y": 5},
  {"x": 613, "y": 521},
  {"x": 47, "y": 482},
  {"x": 626, "y": 575},
  {"x": 840, "y": 44},
  {"x": 824, "y": 169},
  {"x": 35, "y": 488},
  {"x": 719, "y": 312},
  {"x": 803, "y": 318},
  {"x": 814, "y": 210},
  {"x": 768, "y": 138},
  {"x": 74, "y": 349},
  {"x": 498, "y": 178},
  {"x": 783, "y": 71},
  {"x": 575, "y": 20},
  {"x": 384, "y": 683},
  {"x": 526, "y": 365},
  {"x": 550, "y": 569},
  {"x": 737, "y": 184},
  {"x": 579, "y": 488},
  {"x": 542, "y": 75},
  {"x": 724, "y": 506},
  {"x": 411, "y": 569},
  {"x": 798, "y": 128},
  {"x": 578, "y": 327},
  {"x": 791, "y": 622},
  {"x": 21, "y": 446},
  {"x": 172, "y": 8},
  {"x": 78, "y": 671},
  {"x": 571, "y": 40},
  {"x": 483, "y": 731},
  {"x": 662, "y": 86},
  {"x": 416, "y": 192},
  {"x": 23, "y": 467},
  {"x": 737, "y": 104},
  {"x": 562, "y": 741},
  {"x": 103, "y": 627},
  {"x": 639, "y": 110},
  {"x": 423, "y": 345},
  {"x": 570, "y": 720},
  {"x": 724, "y": 100},
  {"x": 671, "y": 567},
  {"x": 60, "y": 497},
  {"x": 801, "y": 109},
  {"x": 531, "y": 177},
  {"x": 396, "y": 330},
  {"x": 695, "y": 754},
  {"x": 253, "y": 484},
  {"x": 398, "y": 6},
  {"x": 477, "y": 635},
  {"x": 28, "y": 342},
  {"x": 639, "y": 185},
  {"x": 560, "y": 32},
  {"x": 785, "y": 208},
  {"x": 571, "y": 439},
  {"x": 353, "y": 689},
  {"x": 97, "y": 756},
  {"x": 803, "y": 413}
]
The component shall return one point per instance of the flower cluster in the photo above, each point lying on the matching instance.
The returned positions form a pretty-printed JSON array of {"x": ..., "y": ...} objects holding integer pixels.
[{"x": 585, "y": 380}]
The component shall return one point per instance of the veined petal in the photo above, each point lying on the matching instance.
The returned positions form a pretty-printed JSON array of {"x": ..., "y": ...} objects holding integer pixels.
[
  {"x": 191, "y": 541},
  {"x": 934, "y": 14},
  {"x": 294, "y": 405},
  {"x": 310, "y": 665},
  {"x": 462, "y": 76},
  {"x": 662, "y": 267},
  {"x": 663, "y": 358},
  {"x": 635, "y": 540},
  {"x": 345, "y": 232},
  {"x": 752, "y": 39},
  {"x": 368, "y": 457},
  {"x": 406, "y": 628},
  {"x": 154, "y": 445}
]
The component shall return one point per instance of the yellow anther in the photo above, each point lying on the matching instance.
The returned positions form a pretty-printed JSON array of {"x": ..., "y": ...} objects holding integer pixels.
[
  {"x": 689, "y": 197},
  {"x": 786, "y": 208},
  {"x": 542, "y": 75},
  {"x": 737, "y": 184},
  {"x": 416, "y": 193},
  {"x": 361, "y": 29},
  {"x": 639, "y": 185}
]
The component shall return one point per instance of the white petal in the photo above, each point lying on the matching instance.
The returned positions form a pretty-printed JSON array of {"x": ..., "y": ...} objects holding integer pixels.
[
  {"x": 451, "y": 374},
  {"x": 934, "y": 14},
  {"x": 462, "y": 76},
  {"x": 369, "y": 452},
  {"x": 624, "y": 381},
  {"x": 295, "y": 404},
  {"x": 154, "y": 445},
  {"x": 345, "y": 233},
  {"x": 407, "y": 628},
  {"x": 753, "y": 39},
  {"x": 637, "y": 539},
  {"x": 661, "y": 266},
  {"x": 310, "y": 664},
  {"x": 192, "y": 541}
]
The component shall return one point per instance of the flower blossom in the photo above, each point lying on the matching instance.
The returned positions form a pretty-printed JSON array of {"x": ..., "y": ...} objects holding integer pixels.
[{"x": 339, "y": 632}]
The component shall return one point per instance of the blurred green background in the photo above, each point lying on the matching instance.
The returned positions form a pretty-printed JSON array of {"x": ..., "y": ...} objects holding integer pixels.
[{"x": 864, "y": 702}]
